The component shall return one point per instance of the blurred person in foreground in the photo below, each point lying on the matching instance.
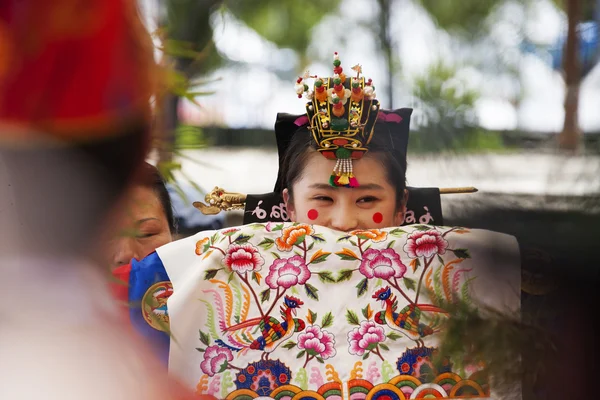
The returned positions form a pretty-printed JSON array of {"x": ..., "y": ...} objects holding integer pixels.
[{"x": 75, "y": 83}]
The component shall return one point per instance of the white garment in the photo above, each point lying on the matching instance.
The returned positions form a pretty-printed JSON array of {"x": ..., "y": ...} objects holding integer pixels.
[{"x": 330, "y": 305}]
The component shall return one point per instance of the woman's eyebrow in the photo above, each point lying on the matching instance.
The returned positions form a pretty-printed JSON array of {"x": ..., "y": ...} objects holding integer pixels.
[
  {"x": 322, "y": 186},
  {"x": 141, "y": 221},
  {"x": 326, "y": 186},
  {"x": 370, "y": 186}
]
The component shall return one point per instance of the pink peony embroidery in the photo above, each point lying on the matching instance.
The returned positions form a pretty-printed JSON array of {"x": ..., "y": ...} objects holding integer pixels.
[
  {"x": 365, "y": 337},
  {"x": 384, "y": 264},
  {"x": 425, "y": 244},
  {"x": 288, "y": 272},
  {"x": 216, "y": 359},
  {"x": 317, "y": 342},
  {"x": 242, "y": 258}
]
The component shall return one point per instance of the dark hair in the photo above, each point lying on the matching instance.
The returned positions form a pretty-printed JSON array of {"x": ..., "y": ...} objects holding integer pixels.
[
  {"x": 383, "y": 147},
  {"x": 63, "y": 194},
  {"x": 152, "y": 179}
]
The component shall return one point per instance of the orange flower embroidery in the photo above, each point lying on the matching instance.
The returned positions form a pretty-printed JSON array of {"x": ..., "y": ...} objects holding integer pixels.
[
  {"x": 200, "y": 245},
  {"x": 374, "y": 234},
  {"x": 293, "y": 235}
]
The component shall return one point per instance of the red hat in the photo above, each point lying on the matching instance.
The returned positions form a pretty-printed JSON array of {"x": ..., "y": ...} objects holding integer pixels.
[{"x": 73, "y": 70}]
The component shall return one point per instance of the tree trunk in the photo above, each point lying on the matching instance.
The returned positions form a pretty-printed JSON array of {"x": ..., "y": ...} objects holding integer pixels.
[
  {"x": 570, "y": 137},
  {"x": 386, "y": 46},
  {"x": 167, "y": 127}
]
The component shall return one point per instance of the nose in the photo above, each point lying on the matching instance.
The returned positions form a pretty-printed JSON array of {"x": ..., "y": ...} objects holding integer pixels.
[
  {"x": 125, "y": 250},
  {"x": 344, "y": 218}
]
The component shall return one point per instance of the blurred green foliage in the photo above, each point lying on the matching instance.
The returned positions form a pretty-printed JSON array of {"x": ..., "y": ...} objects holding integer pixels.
[
  {"x": 286, "y": 23},
  {"x": 460, "y": 16},
  {"x": 447, "y": 108}
]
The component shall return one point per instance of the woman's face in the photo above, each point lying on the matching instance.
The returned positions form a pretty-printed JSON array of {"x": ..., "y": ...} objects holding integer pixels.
[
  {"x": 142, "y": 227},
  {"x": 371, "y": 205}
]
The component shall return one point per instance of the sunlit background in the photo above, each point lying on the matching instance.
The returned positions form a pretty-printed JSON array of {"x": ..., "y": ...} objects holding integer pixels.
[{"x": 486, "y": 81}]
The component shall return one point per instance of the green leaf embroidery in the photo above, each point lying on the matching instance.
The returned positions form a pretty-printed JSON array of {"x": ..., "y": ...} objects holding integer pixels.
[
  {"x": 204, "y": 338},
  {"x": 201, "y": 350},
  {"x": 383, "y": 346},
  {"x": 345, "y": 275},
  {"x": 289, "y": 345},
  {"x": 214, "y": 238},
  {"x": 343, "y": 238},
  {"x": 326, "y": 277},
  {"x": 230, "y": 277},
  {"x": 397, "y": 232},
  {"x": 319, "y": 359},
  {"x": 409, "y": 283},
  {"x": 390, "y": 244},
  {"x": 242, "y": 238},
  {"x": 393, "y": 336},
  {"x": 366, "y": 355},
  {"x": 320, "y": 258},
  {"x": 362, "y": 286},
  {"x": 353, "y": 243},
  {"x": 277, "y": 227},
  {"x": 313, "y": 317},
  {"x": 310, "y": 246},
  {"x": 311, "y": 291},
  {"x": 327, "y": 320},
  {"x": 265, "y": 295},
  {"x": 211, "y": 273},
  {"x": 352, "y": 318},
  {"x": 363, "y": 237},
  {"x": 462, "y": 253},
  {"x": 422, "y": 227},
  {"x": 318, "y": 237},
  {"x": 275, "y": 255},
  {"x": 266, "y": 243},
  {"x": 230, "y": 233},
  {"x": 466, "y": 297},
  {"x": 301, "y": 354}
]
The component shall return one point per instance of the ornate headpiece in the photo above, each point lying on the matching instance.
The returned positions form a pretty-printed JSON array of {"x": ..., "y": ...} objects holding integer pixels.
[{"x": 342, "y": 112}]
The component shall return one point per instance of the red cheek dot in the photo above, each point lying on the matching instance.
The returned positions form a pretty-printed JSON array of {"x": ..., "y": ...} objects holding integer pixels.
[
  {"x": 312, "y": 214},
  {"x": 377, "y": 217}
]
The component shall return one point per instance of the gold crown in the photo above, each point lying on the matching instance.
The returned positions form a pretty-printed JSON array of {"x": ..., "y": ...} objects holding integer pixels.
[{"x": 341, "y": 117}]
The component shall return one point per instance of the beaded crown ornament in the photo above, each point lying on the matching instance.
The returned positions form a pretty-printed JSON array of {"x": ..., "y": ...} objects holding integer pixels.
[{"x": 341, "y": 112}]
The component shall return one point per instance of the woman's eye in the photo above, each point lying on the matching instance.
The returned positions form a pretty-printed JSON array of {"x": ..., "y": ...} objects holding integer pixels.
[
  {"x": 142, "y": 235},
  {"x": 368, "y": 199},
  {"x": 322, "y": 198}
]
